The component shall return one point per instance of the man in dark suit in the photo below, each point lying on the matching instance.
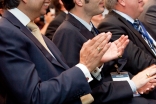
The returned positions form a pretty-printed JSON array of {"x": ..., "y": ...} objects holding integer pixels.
[
  {"x": 148, "y": 17},
  {"x": 60, "y": 16},
  {"x": 32, "y": 69},
  {"x": 123, "y": 18},
  {"x": 69, "y": 37},
  {"x": 123, "y": 23}
]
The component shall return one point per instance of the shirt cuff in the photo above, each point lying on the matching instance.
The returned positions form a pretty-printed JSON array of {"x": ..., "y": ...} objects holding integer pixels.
[
  {"x": 133, "y": 87},
  {"x": 85, "y": 71},
  {"x": 96, "y": 73}
]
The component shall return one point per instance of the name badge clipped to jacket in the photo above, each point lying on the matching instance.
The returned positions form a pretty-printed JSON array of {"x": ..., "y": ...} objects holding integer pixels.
[{"x": 119, "y": 76}]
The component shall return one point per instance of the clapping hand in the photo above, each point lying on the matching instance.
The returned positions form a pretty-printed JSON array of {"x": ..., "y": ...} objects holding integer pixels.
[
  {"x": 90, "y": 56},
  {"x": 143, "y": 78},
  {"x": 150, "y": 86},
  {"x": 116, "y": 49},
  {"x": 93, "y": 50}
]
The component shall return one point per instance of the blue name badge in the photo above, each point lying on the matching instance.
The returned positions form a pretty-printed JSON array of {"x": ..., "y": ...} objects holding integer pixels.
[{"x": 123, "y": 76}]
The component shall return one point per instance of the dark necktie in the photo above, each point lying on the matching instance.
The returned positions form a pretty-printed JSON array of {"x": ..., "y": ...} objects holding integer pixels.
[
  {"x": 93, "y": 31},
  {"x": 140, "y": 28}
]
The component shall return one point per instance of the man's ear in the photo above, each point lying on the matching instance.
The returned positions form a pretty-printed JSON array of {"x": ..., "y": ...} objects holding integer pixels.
[
  {"x": 25, "y": 1},
  {"x": 79, "y": 2},
  {"x": 122, "y": 2}
]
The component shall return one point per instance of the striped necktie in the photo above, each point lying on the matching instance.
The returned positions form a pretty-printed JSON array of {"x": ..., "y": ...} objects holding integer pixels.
[{"x": 140, "y": 28}]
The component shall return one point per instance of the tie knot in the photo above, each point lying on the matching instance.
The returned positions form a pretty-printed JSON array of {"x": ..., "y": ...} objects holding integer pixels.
[
  {"x": 32, "y": 26},
  {"x": 136, "y": 23},
  {"x": 93, "y": 31}
]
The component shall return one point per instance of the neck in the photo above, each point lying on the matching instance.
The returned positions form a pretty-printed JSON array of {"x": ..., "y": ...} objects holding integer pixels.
[
  {"x": 32, "y": 16},
  {"x": 81, "y": 15},
  {"x": 63, "y": 9}
]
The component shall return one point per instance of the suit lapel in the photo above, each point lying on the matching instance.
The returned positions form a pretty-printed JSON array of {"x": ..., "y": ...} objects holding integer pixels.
[
  {"x": 59, "y": 57},
  {"x": 24, "y": 30},
  {"x": 60, "y": 60},
  {"x": 83, "y": 30},
  {"x": 131, "y": 28}
]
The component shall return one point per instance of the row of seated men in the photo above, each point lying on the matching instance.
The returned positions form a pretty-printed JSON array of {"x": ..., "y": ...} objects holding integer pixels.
[
  {"x": 119, "y": 80},
  {"x": 70, "y": 30}
]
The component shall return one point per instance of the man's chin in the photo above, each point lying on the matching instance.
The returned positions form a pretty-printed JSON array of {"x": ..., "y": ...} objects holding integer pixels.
[
  {"x": 43, "y": 13},
  {"x": 102, "y": 10},
  {"x": 141, "y": 11}
]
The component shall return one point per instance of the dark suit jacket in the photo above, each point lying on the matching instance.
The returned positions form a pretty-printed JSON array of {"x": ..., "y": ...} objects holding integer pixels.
[
  {"x": 55, "y": 24},
  {"x": 29, "y": 74},
  {"x": 138, "y": 53},
  {"x": 148, "y": 17},
  {"x": 69, "y": 38}
]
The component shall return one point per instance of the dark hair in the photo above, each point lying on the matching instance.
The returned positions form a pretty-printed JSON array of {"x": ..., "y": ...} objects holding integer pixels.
[
  {"x": 68, "y": 4},
  {"x": 1, "y": 4},
  {"x": 57, "y": 6},
  {"x": 10, "y": 4}
]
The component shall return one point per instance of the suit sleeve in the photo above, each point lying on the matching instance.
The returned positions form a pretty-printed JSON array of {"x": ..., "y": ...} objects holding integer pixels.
[
  {"x": 137, "y": 58},
  {"x": 112, "y": 91},
  {"x": 22, "y": 80}
]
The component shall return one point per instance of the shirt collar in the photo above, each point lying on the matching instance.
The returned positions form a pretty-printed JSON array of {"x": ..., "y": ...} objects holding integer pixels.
[
  {"x": 88, "y": 26},
  {"x": 65, "y": 12},
  {"x": 24, "y": 19},
  {"x": 124, "y": 16}
]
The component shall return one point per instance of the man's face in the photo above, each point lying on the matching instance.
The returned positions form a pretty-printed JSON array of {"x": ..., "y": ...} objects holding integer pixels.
[
  {"x": 94, "y": 7},
  {"x": 38, "y": 7},
  {"x": 134, "y": 7},
  {"x": 145, "y": 1}
]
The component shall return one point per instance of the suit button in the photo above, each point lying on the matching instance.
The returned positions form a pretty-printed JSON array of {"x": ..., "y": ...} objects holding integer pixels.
[
  {"x": 87, "y": 78},
  {"x": 95, "y": 71}
]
